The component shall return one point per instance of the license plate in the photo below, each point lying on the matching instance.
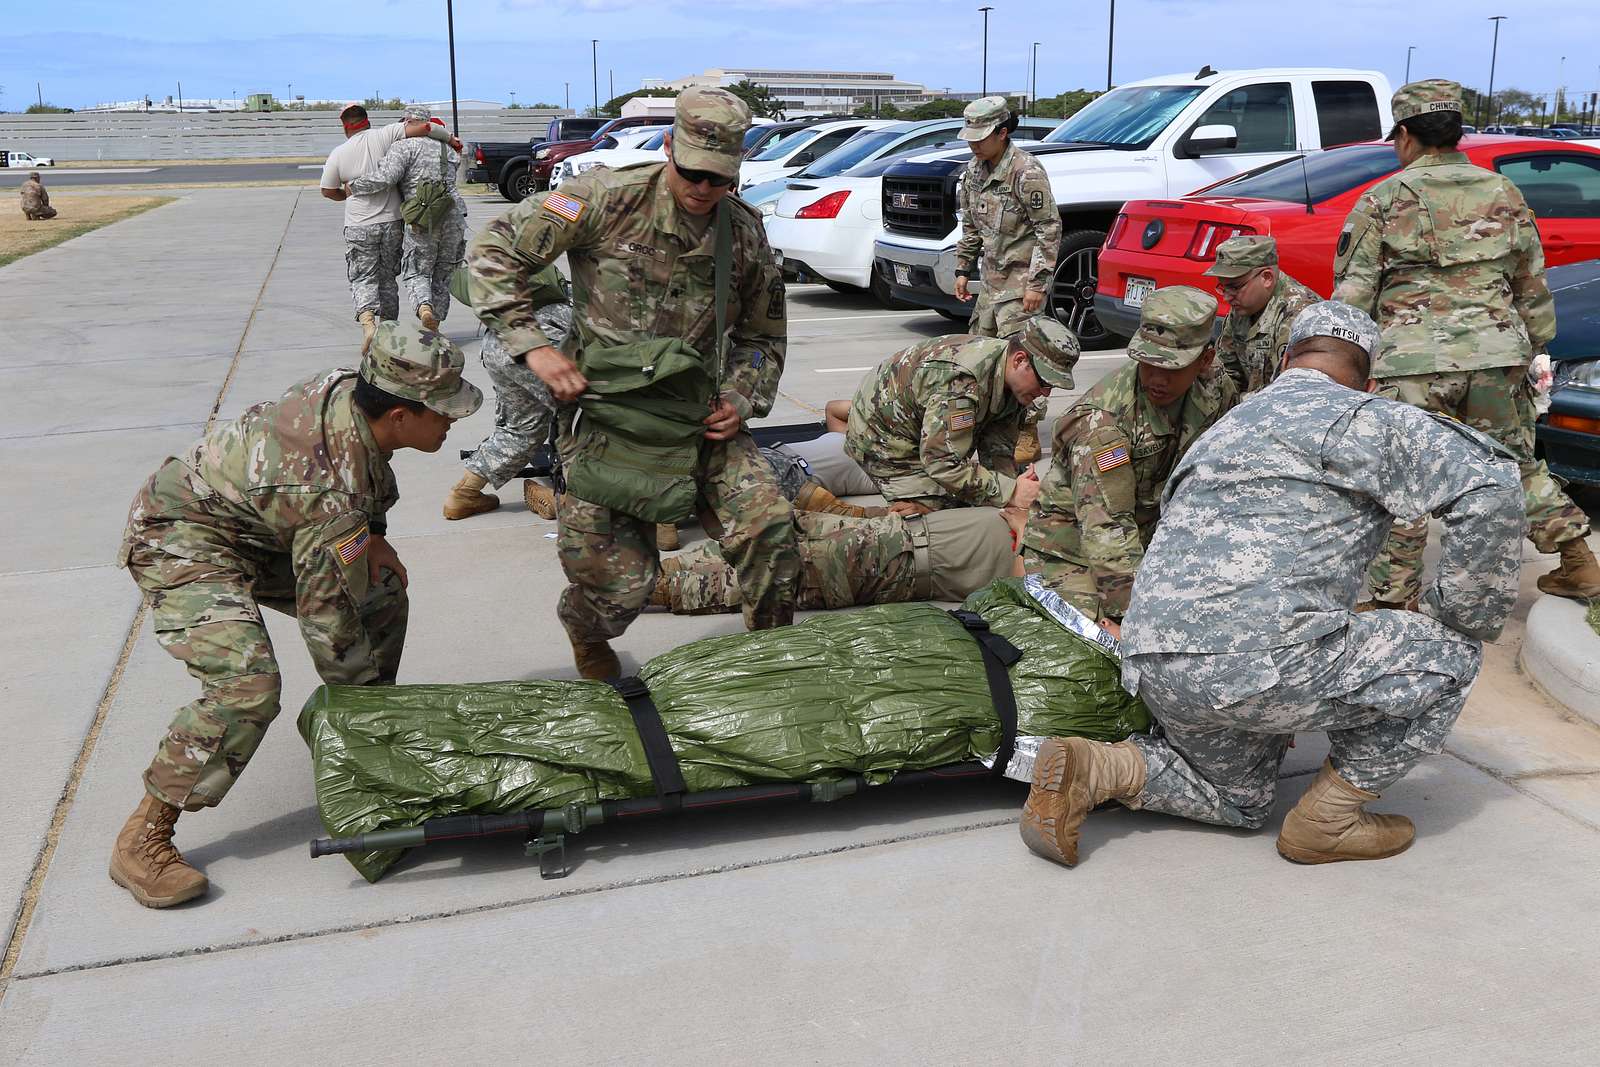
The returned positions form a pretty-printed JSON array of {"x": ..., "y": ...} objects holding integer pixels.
[
  {"x": 902, "y": 274},
  {"x": 1138, "y": 289}
]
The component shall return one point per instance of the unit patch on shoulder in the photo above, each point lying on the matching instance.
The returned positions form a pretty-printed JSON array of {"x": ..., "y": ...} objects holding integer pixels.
[
  {"x": 1036, "y": 200},
  {"x": 350, "y": 548},
  {"x": 1109, "y": 459},
  {"x": 564, "y": 207}
]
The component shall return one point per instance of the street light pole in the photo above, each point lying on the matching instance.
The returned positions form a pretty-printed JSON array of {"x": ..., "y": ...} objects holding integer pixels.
[
  {"x": 450, "y": 28},
  {"x": 984, "y": 88},
  {"x": 594, "y": 70},
  {"x": 1033, "y": 76},
  {"x": 1409, "y": 50},
  {"x": 568, "y": 90},
  {"x": 1111, "y": 39},
  {"x": 1494, "y": 53}
]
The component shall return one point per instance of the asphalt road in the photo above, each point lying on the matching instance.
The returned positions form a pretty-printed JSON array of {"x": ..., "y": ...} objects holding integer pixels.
[{"x": 173, "y": 174}]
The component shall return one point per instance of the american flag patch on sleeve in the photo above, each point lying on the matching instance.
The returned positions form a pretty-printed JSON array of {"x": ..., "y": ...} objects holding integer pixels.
[
  {"x": 563, "y": 206},
  {"x": 963, "y": 420},
  {"x": 1109, "y": 459},
  {"x": 349, "y": 550}
]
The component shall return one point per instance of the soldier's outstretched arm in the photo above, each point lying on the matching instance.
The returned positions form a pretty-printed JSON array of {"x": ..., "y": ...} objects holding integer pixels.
[
  {"x": 505, "y": 258},
  {"x": 1104, "y": 494},
  {"x": 1050, "y": 525},
  {"x": 384, "y": 174},
  {"x": 758, "y": 344},
  {"x": 1033, "y": 189},
  {"x": 948, "y": 447},
  {"x": 331, "y": 582},
  {"x": 1357, "y": 263},
  {"x": 1530, "y": 293}
]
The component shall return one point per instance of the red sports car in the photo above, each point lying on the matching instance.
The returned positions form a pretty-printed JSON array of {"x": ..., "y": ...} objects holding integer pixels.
[{"x": 1304, "y": 204}]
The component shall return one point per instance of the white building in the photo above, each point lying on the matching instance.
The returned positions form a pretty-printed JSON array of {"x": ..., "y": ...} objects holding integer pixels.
[{"x": 821, "y": 91}]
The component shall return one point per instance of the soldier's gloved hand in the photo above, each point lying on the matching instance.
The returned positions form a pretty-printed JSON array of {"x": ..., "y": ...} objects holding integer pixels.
[
  {"x": 382, "y": 556},
  {"x": 961, "y": 288},
  {"x": 558, "y": 372},
  {"x": 723, "y": 422},
  {"x": 1032, "y": 301},
  {"x": 455, "y": 143},
  {"x": 1026, "y": 490}
]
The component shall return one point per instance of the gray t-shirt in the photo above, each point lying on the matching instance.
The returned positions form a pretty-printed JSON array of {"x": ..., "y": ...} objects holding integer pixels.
[{"x": 354, "y": 158}]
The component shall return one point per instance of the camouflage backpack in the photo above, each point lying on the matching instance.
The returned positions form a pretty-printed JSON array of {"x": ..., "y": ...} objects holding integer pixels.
[{"x": 432, "y": 203}]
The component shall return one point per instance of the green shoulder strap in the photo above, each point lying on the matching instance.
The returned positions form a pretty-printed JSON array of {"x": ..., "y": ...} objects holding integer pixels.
[
  {"x": 444, "y": 162},
  {"x": 724, "y": 266}
]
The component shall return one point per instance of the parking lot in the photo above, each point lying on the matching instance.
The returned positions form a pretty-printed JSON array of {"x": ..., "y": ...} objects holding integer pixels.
[{"x": 891, "y": 928}]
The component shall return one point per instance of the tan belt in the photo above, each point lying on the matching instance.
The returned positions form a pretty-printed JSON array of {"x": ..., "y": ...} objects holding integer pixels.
[{"x": 922, "y": 584}]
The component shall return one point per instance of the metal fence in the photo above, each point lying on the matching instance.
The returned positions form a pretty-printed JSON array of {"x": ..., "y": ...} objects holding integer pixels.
[{"x": 113, "y": 135}]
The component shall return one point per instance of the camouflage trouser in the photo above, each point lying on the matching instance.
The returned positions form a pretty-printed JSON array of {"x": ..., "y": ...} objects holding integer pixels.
[
  {"x": 210, "y": 618},
  {"x": 843, "y": 562},
  {"x": 788, "y": 469},
  {"x": 523, "y": 413},
  {"x": 426, "y": 260},
  {"x": 1498, "y": 402},
  {"x": 611, "y": 561},
  {"x": 996, "y": 317},
  {"x": 1386, "y": 689},
  {"x": 1072, "y": 582},
  {"x": 39, "y": 214},
  {"x": 372, "y": 262}
]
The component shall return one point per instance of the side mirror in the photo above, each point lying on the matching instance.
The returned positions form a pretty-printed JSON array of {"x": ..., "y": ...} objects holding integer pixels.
[{"x": 1219, "y": 137}]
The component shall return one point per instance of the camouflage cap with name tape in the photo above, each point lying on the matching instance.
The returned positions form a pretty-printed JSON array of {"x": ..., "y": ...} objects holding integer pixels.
[
  {"x": 983, "y": 115},
  {"x": 417, "y": 111},
  {"x": 1424, "y": 98},
  {"x": 708, "y": 130},
  {"x": 1238, "y": 256},
  {"x": 421, "y": 365},
  {"x": 1331, "y": 318},
  {"x": 1054, "y": 349},
  {"x": 1174, "y": 327}
]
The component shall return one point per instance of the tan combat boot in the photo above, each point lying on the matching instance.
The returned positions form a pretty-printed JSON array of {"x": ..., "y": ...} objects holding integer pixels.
[
  {"x": 595, "y": 660},
  {"x": 369, "y": 326},
  {"x": 540, "y": 498},
  {"x": 1328, "y": 825},
  {"x": 1028, "y": 449},
  {"x": 146, "y": 864},
  {"x": 661, "y": 595},
  {"x": 1578, "y": 577},
  {"x": 467, "y": 498},
  {"x": 667, "y": 537},
  {"x": 425, "y": 315},
  {"x": 1385, "y": 605},
  {"x": 1071, "y": 775},
  {"x": 813, "y": 497}
]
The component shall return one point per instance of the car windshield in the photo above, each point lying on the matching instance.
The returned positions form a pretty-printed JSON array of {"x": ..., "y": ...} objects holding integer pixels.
[
  {"x": 853, "y": 151},
  {"x": 655, "y": 139},
  {"x": 1126, "y": 118},
  {"x": 1328, "y": 174},
  {"x": 782, "y": 146}
]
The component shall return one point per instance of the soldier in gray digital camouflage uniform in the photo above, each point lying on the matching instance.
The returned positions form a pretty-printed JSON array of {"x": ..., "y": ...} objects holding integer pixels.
[
  {"x": 1242, "y": 630},
  {"x": 426, "y": 256}
]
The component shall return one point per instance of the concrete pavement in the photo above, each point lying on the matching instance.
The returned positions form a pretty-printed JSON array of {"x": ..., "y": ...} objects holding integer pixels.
[
  {"x": 168, "y": 174},
  {"x": 888, "y": 927}
]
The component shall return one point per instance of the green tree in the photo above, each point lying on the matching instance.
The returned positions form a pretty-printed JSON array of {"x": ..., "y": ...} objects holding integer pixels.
[
  {"x": 886, "y": 110},
  {"x": 47, "y": 109},
  {"x": 1062, "y": 105},
  {"x": 941, "y": 108},
  {"x": 763, "y": 105}
]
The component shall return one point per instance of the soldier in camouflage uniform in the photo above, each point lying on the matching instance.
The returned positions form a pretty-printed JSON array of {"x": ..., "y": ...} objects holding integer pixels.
[
  {"x": 35, "y": 201},
  {"x": 640, "y": 244},
  {"x": 427, "y": 257},
  {"x": 1446, "y": 256},
  {"x": 523, "y": 411},
  {"x": 1100, "y": 500},
  {"x": 1242, "y": 630},
  {"x": 936, "y": 424},
  {"x": 944, "y": 555},
  {"x": 283, "y": 507},
  {"x": 1263, "y": 302}
]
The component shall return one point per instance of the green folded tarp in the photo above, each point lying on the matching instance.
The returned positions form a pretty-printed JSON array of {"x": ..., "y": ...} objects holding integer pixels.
[{"x": 896, "y": 687}]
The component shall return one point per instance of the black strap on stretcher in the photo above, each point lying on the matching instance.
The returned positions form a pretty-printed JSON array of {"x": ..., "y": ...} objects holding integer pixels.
[
  {"x": 653, "y": 736},
  {"x": 998, "y": 655}
]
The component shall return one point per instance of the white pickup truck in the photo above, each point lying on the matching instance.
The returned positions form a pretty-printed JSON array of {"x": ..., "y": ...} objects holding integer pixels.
[
  {"x": 1154, "y": 138},
  {"x": 25, "y": 160}
]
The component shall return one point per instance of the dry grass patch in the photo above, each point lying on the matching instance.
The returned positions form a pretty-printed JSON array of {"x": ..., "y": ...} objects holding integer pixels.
[{"x": 77, "y": 216}]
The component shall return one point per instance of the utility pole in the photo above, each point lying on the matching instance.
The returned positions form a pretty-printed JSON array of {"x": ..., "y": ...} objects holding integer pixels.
[
  {"x": 1494, "y": 53},
  {"x": 39, "y": 88},
  {"x": 180, "y": 98},
  {"x": 1111, "y": 42},
  {"x": 1409, "y": 50},
  {"x": 594, "y": 70},
  {"x": 1033, "y": 77},
  {"x": 450, "y": 29},
  {"x": 612, "y": 76},
  {"x": 984, "y": 90}
]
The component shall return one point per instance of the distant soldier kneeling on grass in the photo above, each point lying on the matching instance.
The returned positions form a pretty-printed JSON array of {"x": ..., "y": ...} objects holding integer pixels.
[
  {"x": 35, "y": 201},
  {"x": 283, "y": 507}
]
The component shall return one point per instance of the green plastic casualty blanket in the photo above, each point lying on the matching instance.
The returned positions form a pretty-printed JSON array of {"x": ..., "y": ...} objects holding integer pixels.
[{"x": 895, "y": 687}]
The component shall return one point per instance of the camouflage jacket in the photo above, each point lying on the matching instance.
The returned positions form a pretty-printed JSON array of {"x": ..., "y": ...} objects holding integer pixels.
[
  {"x": 1252, "y": 349},
  {"x": 299, "y": 478},
  {"x": 1269, "y": 522},
  {"x": 1101, "y": 498},
  {"x": 34, "y": 196},
  {"x": 406, "y": 164},
  {"x": 1446, "y": 257},
  {"x": 936, "y": 421},
  {"x": 641, "y": 269},
  {"x": 1009, "y": 218}
]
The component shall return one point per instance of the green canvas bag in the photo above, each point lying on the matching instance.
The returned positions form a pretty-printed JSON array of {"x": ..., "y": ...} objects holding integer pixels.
[{"x": 432, "y": 203}]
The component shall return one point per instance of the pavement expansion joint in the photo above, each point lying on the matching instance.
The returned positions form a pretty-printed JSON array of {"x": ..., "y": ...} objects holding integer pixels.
[{"x": 1515, "y": 781}]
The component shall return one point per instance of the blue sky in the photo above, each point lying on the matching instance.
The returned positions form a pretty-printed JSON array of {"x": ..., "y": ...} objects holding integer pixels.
[{"x": 84, "y": 51}]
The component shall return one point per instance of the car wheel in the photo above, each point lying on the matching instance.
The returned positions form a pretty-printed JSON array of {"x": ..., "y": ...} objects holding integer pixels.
[
  {"x": 880, "y": 292},
  {"x": 518, "y": 185},
  {"x": 1072, "y": 289}
]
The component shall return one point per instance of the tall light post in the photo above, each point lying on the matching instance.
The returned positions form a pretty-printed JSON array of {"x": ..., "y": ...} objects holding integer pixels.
[
  {"x": 1494, "y": 53},
  {"x": 594, "y": 70},
  {"x": 1409, "y": 50},
  {"x": 568, "y": 90},
  {"x": 984, "y": 87},
  {"x": 450, "y": 27},
  {"x": 1033, "y": 75},
  {"x": 1111, "y": 40}
]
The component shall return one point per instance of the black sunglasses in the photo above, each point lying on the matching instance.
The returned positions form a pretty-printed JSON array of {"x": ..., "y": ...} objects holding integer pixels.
[{"x": 695, "y": 177}]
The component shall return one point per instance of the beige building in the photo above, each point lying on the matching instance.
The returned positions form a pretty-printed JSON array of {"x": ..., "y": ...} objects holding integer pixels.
[{"x": 821, "y": 91}]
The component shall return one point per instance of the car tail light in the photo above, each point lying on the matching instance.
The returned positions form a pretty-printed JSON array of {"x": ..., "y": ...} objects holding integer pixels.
[
  {"x": 1116, "y": 230},
  {"x": 826, "y": 208},
  {"x": 1575, "y": 422},
  {"x": 477, "y": 153},
  {"x": 1208, "y": 235}
]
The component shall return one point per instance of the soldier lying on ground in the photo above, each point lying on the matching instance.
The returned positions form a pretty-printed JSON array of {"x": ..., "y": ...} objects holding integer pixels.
[
  {"x": 35, "y": 201},
  {"x": 1241, "y": 629},
  {"x": 283, "y": 507}
]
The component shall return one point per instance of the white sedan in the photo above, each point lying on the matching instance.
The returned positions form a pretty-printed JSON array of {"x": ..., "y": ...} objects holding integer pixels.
[
  {"x": 803, "y": 148},
  {"x": 643, "y": 148}
]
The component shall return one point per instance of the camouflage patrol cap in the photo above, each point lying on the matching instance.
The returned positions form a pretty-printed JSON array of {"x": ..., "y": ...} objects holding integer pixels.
[
  {"x": 1424, "y": 98},
  {"x": 982, "y": 116},
  {"x": 421, "y": 365},
  {"x": 708, "y": 130},
  {"x": 1174, "y": 327},
  {"x": 1238, "y": 256},
  {"x": 416, "y": 112},
  {"x": 1054, "y": 349},
  {"x": 1330, "y": 318}
]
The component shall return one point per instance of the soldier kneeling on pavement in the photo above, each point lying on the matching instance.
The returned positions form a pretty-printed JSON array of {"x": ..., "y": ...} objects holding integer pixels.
[
  {"x": 1242, "y": 631},
  {"x": 284, "y": 508},
  {"x": 936, "y": 424},
  {"x": 1263, "y": 301}
]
